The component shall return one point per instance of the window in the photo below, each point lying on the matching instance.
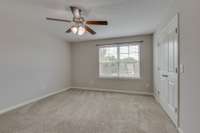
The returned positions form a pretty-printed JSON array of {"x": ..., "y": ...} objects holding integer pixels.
[{"x": 119, "y": 61}]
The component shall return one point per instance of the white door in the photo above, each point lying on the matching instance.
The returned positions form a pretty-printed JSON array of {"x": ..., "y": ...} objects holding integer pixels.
[{"x": 168, "y": 70}]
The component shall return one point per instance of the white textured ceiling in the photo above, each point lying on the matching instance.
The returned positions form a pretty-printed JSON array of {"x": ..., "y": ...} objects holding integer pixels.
[{"x": 125, "y": 17}]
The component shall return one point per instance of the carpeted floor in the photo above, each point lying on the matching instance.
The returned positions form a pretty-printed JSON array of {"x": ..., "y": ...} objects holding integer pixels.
[{"x": 78, "y": 111}]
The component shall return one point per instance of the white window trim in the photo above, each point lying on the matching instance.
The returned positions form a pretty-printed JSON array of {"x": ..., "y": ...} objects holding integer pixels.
[{"x": 118, "y": 77}]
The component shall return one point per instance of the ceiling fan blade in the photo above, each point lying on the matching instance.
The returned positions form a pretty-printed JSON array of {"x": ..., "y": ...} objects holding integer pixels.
[
  {"x": 69, "y": 30},
  {"x": 76, "y": 11},
  {"x": 90, "y": 30},
  {"x": 57, "y": 19},
  {"x": 97, "y": 22}
]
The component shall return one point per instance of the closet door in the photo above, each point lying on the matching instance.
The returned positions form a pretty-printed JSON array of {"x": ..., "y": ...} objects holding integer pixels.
[{"x": 168, "y": 70}]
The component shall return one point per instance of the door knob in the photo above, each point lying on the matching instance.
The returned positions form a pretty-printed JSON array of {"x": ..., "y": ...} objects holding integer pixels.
[{"x": 164, "y": 75}]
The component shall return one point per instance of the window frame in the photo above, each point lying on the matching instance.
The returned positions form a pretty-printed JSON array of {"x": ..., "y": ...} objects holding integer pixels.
[{"x": 118, "y": 55}]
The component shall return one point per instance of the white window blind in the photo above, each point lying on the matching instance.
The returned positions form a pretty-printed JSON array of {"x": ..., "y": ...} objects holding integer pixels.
[{"x": 119, "y": 61}]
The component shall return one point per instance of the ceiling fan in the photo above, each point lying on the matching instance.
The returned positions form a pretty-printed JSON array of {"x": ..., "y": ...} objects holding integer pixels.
[{"x": 79, "y": 24}]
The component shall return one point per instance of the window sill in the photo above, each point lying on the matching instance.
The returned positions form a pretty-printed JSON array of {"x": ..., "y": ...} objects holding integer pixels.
[{"x": 119, "y": 78}]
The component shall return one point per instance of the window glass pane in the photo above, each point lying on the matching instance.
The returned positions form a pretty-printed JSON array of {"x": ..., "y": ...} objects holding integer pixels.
[
  {"x": 134, "y": 52},
  {"x": 108, "y": 54},
  {"x": 134, "y": 49},
  {"x": 136, "y": 70},
  {"x": 123, "y": 56},
  {"x": 129, "y": 70},
  {"x": 125, "y": 69},
  {"x": 120, "y": 61},
  {"x": 131, "y": 55},
  {"x": 108, "y": 69},
  {"x": 123, "y": 49},
  {"x": 134, "y": 56}
]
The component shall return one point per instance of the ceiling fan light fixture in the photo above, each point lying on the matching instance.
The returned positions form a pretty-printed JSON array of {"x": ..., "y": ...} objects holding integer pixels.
[
  {"x": 81, "y": 30},
  {"x": 78, "y": 30},
  {"x": 74, "y": 29}
]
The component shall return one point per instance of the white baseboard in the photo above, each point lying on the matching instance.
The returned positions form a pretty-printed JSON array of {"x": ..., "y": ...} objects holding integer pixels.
[
  {"x": 114, "y": 90},
  {"x": 180, "y": 130},
  {"x": 31, "y": 101}
]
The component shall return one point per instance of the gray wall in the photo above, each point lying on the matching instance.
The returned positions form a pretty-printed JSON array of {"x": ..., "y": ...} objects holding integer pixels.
[
  {"x": 189, "y": 57},
  {"x": 85, "y": 66},
  {"x": 32, "y": 62}
]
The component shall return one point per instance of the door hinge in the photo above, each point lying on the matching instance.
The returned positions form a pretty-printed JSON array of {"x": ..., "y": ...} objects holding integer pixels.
[
  {"x": 176, "y": 30},
  {"x": 176, "y": 110},
  {"x": 176, "y": 70}
]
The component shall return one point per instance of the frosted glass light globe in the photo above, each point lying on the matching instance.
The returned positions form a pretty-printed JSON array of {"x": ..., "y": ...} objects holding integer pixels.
[
  {"x": 74, "y": 29},
  {"x": 81, "y": 30}
]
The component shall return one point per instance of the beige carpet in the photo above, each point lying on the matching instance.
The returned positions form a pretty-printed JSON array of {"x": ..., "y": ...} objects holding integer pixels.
[{"x": 78, "y": 111}]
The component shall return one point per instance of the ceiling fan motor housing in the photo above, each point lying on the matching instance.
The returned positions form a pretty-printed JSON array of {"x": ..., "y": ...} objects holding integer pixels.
[{"x": 78, "y": 20}]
